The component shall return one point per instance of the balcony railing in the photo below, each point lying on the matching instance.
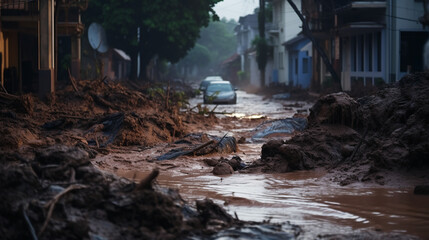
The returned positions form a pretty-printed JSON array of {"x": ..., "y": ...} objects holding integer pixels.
[
  {"x": 18, "y": 7},
  {"x": 351, "y": 4}
]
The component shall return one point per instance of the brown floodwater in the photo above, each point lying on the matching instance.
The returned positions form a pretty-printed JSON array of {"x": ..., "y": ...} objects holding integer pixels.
[
  {"x": 305, "y": 198},
  {"x": 302, "y": 198}
]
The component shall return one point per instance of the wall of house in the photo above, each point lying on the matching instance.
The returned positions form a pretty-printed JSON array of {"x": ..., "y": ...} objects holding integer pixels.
[
  {"x": 288, "y": 24},
  {"x": 300, "y": 65},
  {"x": 254, "y": 71}
]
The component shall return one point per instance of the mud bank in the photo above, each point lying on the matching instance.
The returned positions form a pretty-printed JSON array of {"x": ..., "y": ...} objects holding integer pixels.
[
  {"x": 363, "y": 140},
  {"x": 58, "y": 194}
]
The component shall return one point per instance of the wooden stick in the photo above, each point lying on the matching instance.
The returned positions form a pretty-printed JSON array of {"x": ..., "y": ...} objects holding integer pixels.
[
  {"x": 146, "y": 183},
  {"x": 8, "y": 96},
  {"x": 72, "y": 80},
  {"x": 52, "y": 203},
  {"x": 4, "y": 89},
  {"x": 199, "y": 147}
]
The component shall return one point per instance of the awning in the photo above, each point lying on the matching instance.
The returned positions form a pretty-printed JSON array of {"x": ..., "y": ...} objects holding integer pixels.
[{"x": 357, "y": 28}]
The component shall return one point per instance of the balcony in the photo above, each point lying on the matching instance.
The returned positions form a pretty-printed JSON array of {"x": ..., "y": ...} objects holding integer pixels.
[
  {"x": 345, "y": 5},
  {"x": 19, "y": 7}
]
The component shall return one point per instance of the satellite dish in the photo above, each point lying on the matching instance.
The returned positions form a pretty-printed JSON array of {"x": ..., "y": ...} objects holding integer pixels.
[{"x": 97, "y": 38}]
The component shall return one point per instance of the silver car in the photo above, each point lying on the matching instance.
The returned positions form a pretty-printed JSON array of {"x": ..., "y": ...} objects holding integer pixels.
[
  {"x": 207, "y": 80},
  {"x": 220, "y": 92}
]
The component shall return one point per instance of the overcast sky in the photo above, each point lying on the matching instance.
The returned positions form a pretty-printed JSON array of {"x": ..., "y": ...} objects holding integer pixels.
[{"x": 234, "y": 9}]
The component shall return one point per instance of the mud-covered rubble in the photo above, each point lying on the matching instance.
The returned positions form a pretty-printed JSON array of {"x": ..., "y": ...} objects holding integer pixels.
[
  {"x": 59, "y": 194},
  {"x": 361, "y": 140},
  {"x": 97, "y": 115},
  {"x": 198, "y": 144},
  {"x": 223, "y": 166}
]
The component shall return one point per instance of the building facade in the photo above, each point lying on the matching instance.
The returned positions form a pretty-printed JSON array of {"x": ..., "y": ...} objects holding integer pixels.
[
  {"x": 286, "y": 26},
  {"x": 368, "y": 42},
  {"x": 31, "y": 34},
  {"x": 246, "y": 32}
]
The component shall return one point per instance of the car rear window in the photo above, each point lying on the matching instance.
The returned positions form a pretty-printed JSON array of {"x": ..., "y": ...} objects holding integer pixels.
[{"x": 219, "y": 88}]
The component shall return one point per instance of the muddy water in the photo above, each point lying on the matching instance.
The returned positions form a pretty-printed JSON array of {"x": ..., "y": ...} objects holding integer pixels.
[
  {"x": 319, "y": 207},
  {"x": 305, "y": 198},
  {"x": 254, "y": 106}
]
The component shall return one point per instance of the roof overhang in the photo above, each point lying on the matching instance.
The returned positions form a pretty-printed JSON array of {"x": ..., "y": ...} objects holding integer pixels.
[
  {"x": 359, "y": 28},
  {"x": 362, "y": 5}
]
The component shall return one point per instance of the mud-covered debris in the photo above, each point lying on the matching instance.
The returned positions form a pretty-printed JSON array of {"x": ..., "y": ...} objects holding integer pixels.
[
  {"x": 211, "y": 213},
  {"x": 282, "y": 126},
  {"x": 421, "y": 190},
  {"x": 59, "y": 194},
  {"x": 128, "y": 129},
  {"x": 236, "y": 163},
  {"x": 211, "y": 162},
  {"x": 385, "y": 132},
  {"x": 193, "y": 146},
  {"x": 222, "y": 168}
]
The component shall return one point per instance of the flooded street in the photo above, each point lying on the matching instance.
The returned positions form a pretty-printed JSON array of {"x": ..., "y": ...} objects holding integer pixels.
[{"x": 305, "y": 198}]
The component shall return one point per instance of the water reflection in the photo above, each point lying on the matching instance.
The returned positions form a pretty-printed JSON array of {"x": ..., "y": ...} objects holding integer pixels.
[{"x": 301, "y": 198}]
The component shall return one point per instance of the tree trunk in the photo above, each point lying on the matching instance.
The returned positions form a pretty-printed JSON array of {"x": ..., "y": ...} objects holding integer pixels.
[{"x": 307, "y": 32}]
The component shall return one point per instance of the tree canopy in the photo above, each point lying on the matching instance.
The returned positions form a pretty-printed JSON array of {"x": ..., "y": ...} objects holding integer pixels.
[
  {"x": 167, "y": 28},
  {"x": 217, "y": 40}
]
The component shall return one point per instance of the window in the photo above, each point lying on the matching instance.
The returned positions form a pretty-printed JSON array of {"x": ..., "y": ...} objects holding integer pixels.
[
  {"x": 411, "y": 50},
  {"x": 305, "y": 65}
]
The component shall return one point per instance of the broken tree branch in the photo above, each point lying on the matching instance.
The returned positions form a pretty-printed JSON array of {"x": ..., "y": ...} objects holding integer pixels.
[
  {"x": 73, "y": 81},
  {"x": 146, "y": 183},
  {"x": 199, "y": 147},
  {"x": 218, "y": 143},
  {"x": 3, "y": 88},
  {"x": 51, "y": 204}
]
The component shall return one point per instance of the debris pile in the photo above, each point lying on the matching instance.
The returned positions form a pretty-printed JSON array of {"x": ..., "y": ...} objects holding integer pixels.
[
  {"x": 198, "y": 144},
  {"x": 96, "y": 114},
  {"x": 363, "y": 138},
  {"x": 59, "y": 194}
]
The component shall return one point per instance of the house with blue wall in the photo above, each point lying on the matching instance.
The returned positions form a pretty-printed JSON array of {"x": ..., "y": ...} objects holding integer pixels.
[
  {"x": 368, "y": 42},
  {"x": 300, "y": 61}
]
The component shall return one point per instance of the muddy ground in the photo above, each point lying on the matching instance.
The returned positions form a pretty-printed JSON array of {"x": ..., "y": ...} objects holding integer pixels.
[
  {"x": 57, "y": 182},
  {"x": 381, "y": 138}
]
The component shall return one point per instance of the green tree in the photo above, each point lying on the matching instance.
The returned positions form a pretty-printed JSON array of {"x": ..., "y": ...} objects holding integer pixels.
[
  {"x": 219, "y": 41},
  {"x": 167, "y": 28}
]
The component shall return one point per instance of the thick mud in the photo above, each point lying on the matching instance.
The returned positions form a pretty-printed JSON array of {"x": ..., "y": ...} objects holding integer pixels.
[{"x": 370, "y": 139}]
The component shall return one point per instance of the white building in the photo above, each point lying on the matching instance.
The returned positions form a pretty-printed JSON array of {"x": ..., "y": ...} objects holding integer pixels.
[
  {"x": 246, "y": 32},
  {"x": 286, "y": 26}
]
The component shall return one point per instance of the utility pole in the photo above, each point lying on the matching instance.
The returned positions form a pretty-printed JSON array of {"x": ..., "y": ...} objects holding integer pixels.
[
  {"x": 307, "y": 32},
  {"x": 262, "y": 47}
]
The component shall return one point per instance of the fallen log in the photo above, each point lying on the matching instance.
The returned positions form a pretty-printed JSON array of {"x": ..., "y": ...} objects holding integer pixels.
[{"x": 174, "y": 155}]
